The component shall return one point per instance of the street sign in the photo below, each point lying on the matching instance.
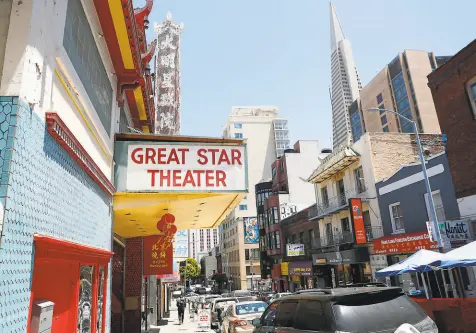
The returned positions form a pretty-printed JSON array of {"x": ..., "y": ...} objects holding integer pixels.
[{"x": 204, "y": 319}]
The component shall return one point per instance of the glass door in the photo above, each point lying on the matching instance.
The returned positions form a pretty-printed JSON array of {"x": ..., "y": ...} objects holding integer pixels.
[{"x": 85, "y": 299}]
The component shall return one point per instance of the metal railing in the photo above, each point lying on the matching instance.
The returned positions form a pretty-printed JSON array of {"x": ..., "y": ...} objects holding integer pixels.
[
  {"x": 334, "y": 203},
  {"x": 336, "y": 238},
  {"x": 373, "y": 232}
]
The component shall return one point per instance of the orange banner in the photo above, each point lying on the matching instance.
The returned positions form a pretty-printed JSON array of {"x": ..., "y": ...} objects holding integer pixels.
[
  {"x": 355, "y": 206},
  {"x": 158, "y": 255}
]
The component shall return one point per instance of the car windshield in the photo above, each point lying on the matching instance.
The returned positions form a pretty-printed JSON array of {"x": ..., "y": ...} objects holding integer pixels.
[
  {"x": 376, "y": 312},
  {"x": 250, "y": 308}
]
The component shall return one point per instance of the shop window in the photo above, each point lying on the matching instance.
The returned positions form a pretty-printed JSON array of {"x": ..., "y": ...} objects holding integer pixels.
[
  {"x": 396, "y": 216},
  {"x": 310, "y": 316},
  {"x": 285, "y": 315}
]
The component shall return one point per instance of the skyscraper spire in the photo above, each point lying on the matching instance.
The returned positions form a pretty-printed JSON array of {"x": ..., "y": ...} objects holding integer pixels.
[
  {"x": 345, "y": 82},
  {"x": 337, "y": 34}
]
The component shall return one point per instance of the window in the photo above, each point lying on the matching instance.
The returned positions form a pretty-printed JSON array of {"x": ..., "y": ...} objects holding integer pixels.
[
  {"x": 238, "y": 125},
  {"x": 382, "y": 109},
  {"x": 273, "y": 172},
  {"x": 401, "y": 93},
  {"x": 379, "y": 99},
  {"x": 275, "y": 215},
  {"x": 396, "y": 216},
  {"x": 301, "y": 237},
  {"x": 83, "y": 52},
  {"x": 277, "y": 237},
  {"x": 247, "y": 254},
  {"x": 385, "y": 128},
  {"x": 243, "y": 207},
  {"x": 310, "y": 316},
  {"x": 398, "y": 81},
  {"x": 359, "y": 180},
  {"x": 471, "y": 89},
  {"x": 311, "y": 237},
  {"x": 438, "y": 202},
  {"x": 283, "y": 166},
  {"x": 269, "y": 316},
  {"x": 285, "y": 315},
  {"x": 383, "y": 120},
  {"x": 238, "y": 135},
  {"x": 324, "y": 197},
  {"x": 345, "y": 224}
]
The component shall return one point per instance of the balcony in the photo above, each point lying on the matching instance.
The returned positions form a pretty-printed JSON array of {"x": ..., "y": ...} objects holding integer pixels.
[
  {"x": 335, "y": 204},
  {"x": 334, "y": 239},
  {"x": 373, "y": 232}
]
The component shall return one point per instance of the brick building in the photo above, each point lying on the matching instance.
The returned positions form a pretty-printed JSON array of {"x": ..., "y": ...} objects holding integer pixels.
[{"x": 453, "y": 87}]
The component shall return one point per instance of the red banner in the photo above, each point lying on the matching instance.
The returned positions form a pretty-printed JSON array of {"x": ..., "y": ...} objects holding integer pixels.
[
  {"x": 355, "y": 206},
  {"x": 405, "y": 243},
  {"x": 158, "y": 255}
]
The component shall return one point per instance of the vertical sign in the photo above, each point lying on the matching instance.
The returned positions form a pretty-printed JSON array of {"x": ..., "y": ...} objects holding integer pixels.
[
  {"x": 157, "y": 255},
  {"x": 251, "y": 230},
  {"x": 167, "y": 104},
  {"x": 355, "y": 206}
]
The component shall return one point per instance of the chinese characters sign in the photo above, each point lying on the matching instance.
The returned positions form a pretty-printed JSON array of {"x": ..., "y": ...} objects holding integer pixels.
[
  {"x": 167, "y": 66},
  {"x": 355, "y": 206},
  {"x": 406, "y": 243},
  {"x": 157, "y": 255},
  {"x": 186, "y": 168}
]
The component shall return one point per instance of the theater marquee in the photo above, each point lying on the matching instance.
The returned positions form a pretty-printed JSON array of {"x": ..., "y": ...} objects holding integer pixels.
[{"x": 186, "y": 168}]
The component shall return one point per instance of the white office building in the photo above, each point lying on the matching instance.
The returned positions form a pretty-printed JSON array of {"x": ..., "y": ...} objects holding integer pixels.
[
  {"x": 201, "y": 241},
  {"x": 267, "y": 137},
  {"x": 345, "y": 83}
]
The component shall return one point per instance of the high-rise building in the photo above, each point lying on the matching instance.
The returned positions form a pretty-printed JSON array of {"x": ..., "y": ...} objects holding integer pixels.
[
  {"x": 167, "y": 77},
  {"x": 401, "y": 86},
  {"x": 345, "y": 82},
  {"x": 267, "y": 138},
  {"x": 201, "y": 241}
]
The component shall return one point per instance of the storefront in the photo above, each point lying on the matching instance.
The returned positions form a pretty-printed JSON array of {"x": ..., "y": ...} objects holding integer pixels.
[
  {"x": 342, "y": 268},
  {"x": 301, "y": 275}
]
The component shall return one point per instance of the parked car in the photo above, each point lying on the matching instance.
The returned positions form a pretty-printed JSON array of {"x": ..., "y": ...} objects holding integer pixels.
[
  {"x": 242, "y": 295},
  {"x": 205, "y": 302},
  {"x": 255, "y": 295},
  {"x": 265, "y": 297},
  {"x": 239, "y": 317},
  {"x": 219, "y": 305},
  {"x": 359, "y": 310},
  {"x": 277, "y": 296}
]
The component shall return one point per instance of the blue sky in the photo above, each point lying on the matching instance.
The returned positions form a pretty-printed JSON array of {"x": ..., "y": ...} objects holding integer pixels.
[{"x": 277, "y": 52}]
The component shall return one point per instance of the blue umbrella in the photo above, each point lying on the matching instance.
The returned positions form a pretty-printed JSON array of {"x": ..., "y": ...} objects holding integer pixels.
[
  {"x": 461, "y": 257},
  {"x": 417, "y": 262}
]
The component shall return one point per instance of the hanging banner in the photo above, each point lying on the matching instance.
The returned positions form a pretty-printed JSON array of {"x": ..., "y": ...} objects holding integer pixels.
[
  {"x": 294, "y": 250},
  {"x": 355, "y": 206},
  {"x": 157, "y": 255},
  {"x": 251, "y": 229}
]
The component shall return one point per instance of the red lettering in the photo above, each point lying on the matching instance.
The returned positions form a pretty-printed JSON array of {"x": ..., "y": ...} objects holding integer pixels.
[
  {"x": 188, "y": 179},
  {"x": 221, "y": 177},
  {"x": 235, "y": 156},
  {"x": 173, "y": 157},
  {"x": 223, "y": 157},
  {"x": 202, "y": 157},
  {"x": 214, "y": 151},
  {"x": 137, "y": 158},
  {"x": 183, "y": 151},
  {"x": 161, "y": 155},
  {"x": 177, "y": 177},
  {"x": 152, "y": 176},
  {"x": 209, "y": 178},
  {"x": 199, "y": 178},
  {"x": 164, "y": 175},
  {"x": 150, "y": 155}
]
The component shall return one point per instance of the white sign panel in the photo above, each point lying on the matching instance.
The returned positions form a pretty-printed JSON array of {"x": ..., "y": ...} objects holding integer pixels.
[
  {"x": 204, "y": 320},
  {"x": 295, "y": 250},
  {"x": 186, "y": 168}
]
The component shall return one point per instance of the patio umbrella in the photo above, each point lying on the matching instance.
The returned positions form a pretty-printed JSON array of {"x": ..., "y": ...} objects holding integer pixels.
[
  {"x": 461, "y": 257},
  {"x": 417, "y": 262}
]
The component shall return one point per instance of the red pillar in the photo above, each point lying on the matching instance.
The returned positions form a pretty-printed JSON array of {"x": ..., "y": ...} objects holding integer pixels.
[{"x": 133, "y": 285}]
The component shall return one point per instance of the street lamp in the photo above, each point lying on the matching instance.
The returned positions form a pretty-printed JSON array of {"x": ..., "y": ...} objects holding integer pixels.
[{"x": 425, "y": 175}]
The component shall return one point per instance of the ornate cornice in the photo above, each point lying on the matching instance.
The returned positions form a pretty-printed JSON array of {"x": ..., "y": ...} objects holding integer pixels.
[{"x": 61, "y": 133}]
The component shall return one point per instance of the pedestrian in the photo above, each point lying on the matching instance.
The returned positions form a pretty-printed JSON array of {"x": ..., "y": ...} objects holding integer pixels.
[{"x": 181, "y": 309}]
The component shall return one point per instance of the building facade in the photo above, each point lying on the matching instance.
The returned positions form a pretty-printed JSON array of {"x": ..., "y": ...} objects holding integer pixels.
[
  {"x": 345, "y": 82},
  {"x": 60, "y": 106},
  {"x": 201, "y": 241},
  {"x": 400, "y": 86},
  {"x": 288, "y": 194},
  {"x": 267, "y": 137},
  {"x": 454, "y": 94},
  {"x": 345, "y": 183}
]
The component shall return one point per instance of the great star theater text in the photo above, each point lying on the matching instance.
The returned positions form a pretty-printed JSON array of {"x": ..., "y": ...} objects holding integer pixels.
[{"x": 207, "y": 173}]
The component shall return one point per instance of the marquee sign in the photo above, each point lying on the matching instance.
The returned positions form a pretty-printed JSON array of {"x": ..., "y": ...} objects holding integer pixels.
[{"x": 186, "y": 168}]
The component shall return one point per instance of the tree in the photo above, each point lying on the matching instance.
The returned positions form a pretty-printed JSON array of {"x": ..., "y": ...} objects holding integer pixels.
[{"x": 192, "y": 268}]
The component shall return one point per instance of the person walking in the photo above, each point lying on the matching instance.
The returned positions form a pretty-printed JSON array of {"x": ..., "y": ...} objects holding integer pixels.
[{"x": 181, "y": 309}]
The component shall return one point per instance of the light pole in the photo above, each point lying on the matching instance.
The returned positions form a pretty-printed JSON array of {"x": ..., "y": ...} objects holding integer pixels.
[
  {"x": 425, "y": 176},
  {"x": 252, "y": 275}
]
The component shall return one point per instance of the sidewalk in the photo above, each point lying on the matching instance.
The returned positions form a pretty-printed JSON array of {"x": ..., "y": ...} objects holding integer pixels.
[{"x": 171, "y": 324}]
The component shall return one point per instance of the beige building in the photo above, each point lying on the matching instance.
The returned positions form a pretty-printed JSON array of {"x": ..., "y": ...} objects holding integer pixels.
[{"x": 400, "y": 86}]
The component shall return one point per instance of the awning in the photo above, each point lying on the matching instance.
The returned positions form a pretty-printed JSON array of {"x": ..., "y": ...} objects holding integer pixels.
[
  {"x": 333, "y": 164},
  {"x": 461, "y": 257},
  {"x": 417, "y": 262}
]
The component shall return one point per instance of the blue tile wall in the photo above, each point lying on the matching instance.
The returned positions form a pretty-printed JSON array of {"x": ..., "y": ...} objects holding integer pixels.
[{"x": 42, "y": 190}]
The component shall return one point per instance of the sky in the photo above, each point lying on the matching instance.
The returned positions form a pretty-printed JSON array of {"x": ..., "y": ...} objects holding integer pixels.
[{"x": 277, "y": 53}]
